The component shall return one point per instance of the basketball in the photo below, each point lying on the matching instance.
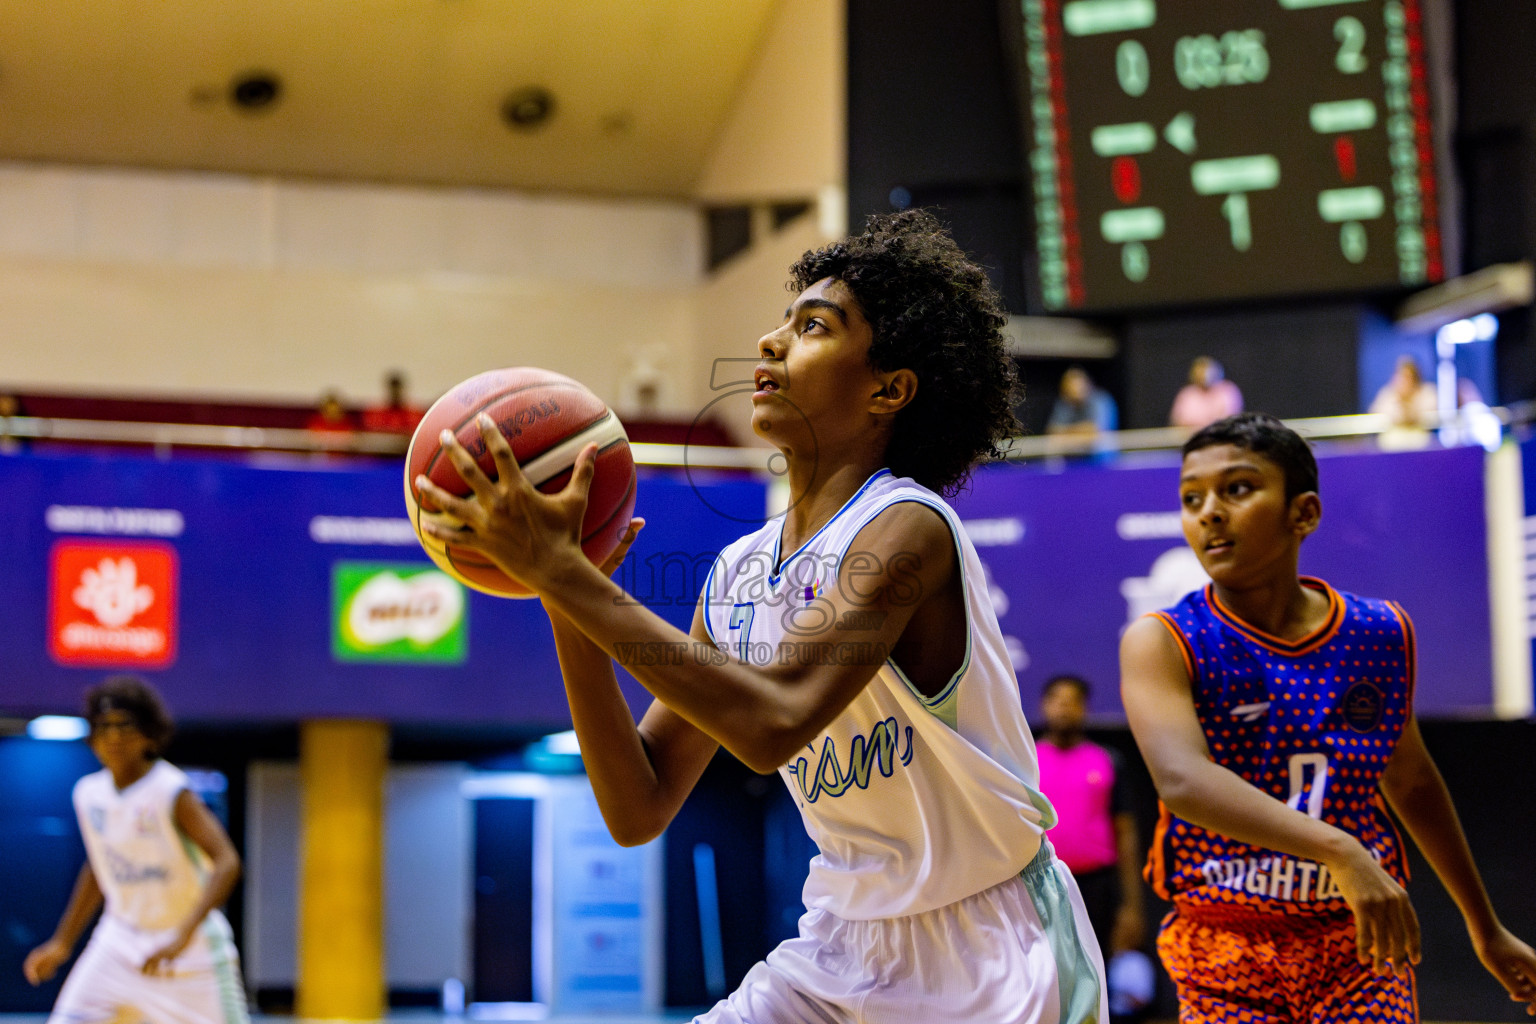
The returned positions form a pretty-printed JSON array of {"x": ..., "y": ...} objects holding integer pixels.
[{"x": 548, "y": 419}]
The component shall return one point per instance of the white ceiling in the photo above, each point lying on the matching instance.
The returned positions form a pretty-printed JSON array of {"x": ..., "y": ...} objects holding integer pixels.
[{"x": 380, "y": 90}]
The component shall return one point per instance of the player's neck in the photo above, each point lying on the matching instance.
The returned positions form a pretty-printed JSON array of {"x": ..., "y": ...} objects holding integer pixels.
[
  {"x": 816, "y": 494},
  {"x": 126, "y": 775},
  {"x": 1282, "y": 608},
  {"x": 1064, "y": 740}
]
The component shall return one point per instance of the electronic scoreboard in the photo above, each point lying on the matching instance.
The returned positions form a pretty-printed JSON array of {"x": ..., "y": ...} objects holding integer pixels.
[{"x": 1186, "y": 151}]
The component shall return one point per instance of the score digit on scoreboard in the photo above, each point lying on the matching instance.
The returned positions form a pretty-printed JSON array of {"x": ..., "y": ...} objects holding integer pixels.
[{"x": 1185, "y": 151}]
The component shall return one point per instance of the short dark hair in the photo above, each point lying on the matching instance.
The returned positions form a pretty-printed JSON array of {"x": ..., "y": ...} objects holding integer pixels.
[
  {"x": 1264, "y": 435},
  {"x": 933, "y": 311},
  {"x": 1078, "y": 683},
  {"x": 141, "y": 701}
]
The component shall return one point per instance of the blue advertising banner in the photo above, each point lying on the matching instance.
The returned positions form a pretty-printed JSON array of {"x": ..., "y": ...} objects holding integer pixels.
[
  {"x": 289, "y": 587},
  {"x": 286, "y": 587},
  {"x": 1075, "y": 555}
]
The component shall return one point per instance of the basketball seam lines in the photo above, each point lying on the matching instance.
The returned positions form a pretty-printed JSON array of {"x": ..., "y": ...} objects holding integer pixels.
[{"x": 500, "y": 395}]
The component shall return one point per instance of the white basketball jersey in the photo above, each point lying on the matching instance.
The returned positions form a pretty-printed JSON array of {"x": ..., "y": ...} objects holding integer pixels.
[
  {"x": 151, "y": 874},
  {"x": 915, "y": 802}
]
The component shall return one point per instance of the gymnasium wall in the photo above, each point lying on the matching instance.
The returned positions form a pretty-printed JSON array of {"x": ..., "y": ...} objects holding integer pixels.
[
  {"x": 168, "y": 283},
  {"x": 175, "y": 283}
]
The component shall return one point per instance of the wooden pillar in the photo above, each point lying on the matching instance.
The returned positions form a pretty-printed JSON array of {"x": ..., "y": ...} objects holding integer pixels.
[{"x": 341, "y": 873}]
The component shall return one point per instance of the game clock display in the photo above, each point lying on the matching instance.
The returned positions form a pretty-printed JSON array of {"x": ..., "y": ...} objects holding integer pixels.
[{"x": 1187, "y": 151}]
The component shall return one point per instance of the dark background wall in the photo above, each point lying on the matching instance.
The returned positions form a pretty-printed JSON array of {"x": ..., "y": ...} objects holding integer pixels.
[{"x": 1496, "y": 157}]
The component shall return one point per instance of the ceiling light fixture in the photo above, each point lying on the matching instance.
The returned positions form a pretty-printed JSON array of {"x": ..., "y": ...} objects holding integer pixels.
[
  {"x": 528, "y": 107},
  {"x": 255, "y": 90}
]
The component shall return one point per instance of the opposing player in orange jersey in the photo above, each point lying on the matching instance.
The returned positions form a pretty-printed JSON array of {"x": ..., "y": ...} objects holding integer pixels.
[{"x": 1275, "y": 714}]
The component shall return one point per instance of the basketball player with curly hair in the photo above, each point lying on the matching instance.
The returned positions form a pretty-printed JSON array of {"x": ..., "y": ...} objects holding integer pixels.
[{"x": 850, "y": 645}]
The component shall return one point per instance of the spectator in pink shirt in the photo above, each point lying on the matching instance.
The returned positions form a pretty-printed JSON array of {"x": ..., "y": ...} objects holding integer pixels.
[
  {"x": 1095, "y": 834},
  {"x": 1208, "y": 396}
]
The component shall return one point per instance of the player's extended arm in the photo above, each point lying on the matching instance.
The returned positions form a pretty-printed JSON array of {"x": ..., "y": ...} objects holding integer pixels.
[
  {"x": 197, "y": 822},
  {"x": 762, "y": 714},
  {"x": 84, "y": 902},
  {"x": 1155, "y": 687},
  {"x": 1415, "y": 789}
]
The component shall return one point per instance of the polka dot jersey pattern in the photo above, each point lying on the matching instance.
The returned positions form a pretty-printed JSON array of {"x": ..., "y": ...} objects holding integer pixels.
[{"x": 1312, "y": 722}]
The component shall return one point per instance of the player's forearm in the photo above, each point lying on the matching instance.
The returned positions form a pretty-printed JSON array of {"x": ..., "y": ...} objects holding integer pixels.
[
  {"x": 1430, "y": 817},
  {"x": 216, "y": 890},
  {"x": 1219, "y": 800},
  {"x": 84, "y": 901},
  {"x": 756, "y": 714},
  {"x": 625, "y": 782}
]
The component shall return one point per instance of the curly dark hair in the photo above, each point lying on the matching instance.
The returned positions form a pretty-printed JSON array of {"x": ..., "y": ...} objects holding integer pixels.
[
  {"x": 932, "y": 311},
  {"x": 1264, "y": 435},
  {"x": 140, "y": 700}
]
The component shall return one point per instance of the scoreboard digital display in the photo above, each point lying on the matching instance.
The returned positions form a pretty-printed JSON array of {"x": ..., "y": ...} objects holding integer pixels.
[{"x": 1187, "y": 151}]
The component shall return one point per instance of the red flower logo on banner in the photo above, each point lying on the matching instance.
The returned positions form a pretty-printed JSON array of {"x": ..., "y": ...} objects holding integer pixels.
[{"x": 113, "y": 604}]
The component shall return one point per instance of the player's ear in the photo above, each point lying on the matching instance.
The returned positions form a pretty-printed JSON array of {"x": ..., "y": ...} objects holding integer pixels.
[
  {"x": 897, "y": 388},
  {"x": 1306, "y": 513}
]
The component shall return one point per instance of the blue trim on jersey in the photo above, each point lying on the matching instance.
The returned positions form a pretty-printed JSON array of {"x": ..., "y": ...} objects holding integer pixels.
[
  {"x": 777, "y": 573},
  {"x": 708, "y": 582}
]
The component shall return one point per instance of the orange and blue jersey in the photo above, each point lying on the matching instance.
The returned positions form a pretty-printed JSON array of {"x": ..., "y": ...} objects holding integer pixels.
[{"x": 1312, "y": 722}]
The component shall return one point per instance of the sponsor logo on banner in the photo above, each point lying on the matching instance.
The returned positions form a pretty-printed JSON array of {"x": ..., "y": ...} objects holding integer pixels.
[
  {"x": 385, "y": 612},
  {"x": 1174, "y": 573},
  {"x": 113, "y": 603}
]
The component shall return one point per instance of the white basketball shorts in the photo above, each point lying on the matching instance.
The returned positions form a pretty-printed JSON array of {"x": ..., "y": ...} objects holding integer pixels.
[
  {"x": 1021, "y": 952},
  {"x": 107, "y": 983}
]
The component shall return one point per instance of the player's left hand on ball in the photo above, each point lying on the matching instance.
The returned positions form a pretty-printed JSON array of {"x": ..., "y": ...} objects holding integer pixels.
[
  {"x": 1513, "y": 963},
  {"x": 523, "y": 530},
  {"x": 612, "y": 562}
]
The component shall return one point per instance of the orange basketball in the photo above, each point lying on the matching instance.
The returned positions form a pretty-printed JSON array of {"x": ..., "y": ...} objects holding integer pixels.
[{"x": 548, "y": 419}]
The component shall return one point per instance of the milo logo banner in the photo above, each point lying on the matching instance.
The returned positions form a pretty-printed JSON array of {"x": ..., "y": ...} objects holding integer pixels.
[{"x": 396, "y": 612}]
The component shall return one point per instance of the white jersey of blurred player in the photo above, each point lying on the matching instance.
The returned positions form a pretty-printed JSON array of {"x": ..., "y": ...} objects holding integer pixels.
[
  {"x": 934, "y": 896},
  {"x": 151, "y": 877}
]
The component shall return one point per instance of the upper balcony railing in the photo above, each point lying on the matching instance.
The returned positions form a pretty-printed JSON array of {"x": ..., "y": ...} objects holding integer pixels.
[{"x": 1471, "y": 425}]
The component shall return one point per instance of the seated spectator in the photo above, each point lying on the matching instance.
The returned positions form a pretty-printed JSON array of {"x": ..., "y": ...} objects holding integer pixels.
[
  {"x": 10, "y": 406},
  {"x": 396, "y": 415},
  {"x": 1208, "y": 396},
  {"x": 1407, "y": 400},
  {"x": 1082, "y": 408},
  {"x": 330, "y": 420},
  {"x": 1410, "y": 405}
]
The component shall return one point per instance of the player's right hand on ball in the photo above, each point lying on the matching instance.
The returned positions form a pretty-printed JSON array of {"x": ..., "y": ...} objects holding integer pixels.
[
  {"x": 44, "y": 961},
  {"x": 1386, "y": 927}
]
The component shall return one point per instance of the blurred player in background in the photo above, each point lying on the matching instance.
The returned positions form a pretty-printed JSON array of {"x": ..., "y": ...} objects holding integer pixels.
[
  {"x": 1275, "y": 713},
  {"x": 162, "y": 865},
  {"x": 848, "y": 644}
]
